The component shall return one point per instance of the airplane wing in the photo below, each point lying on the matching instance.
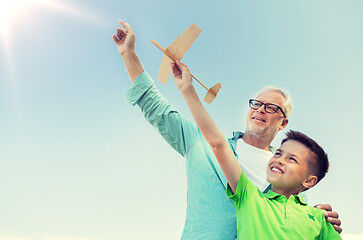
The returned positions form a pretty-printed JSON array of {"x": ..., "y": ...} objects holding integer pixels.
[
  {"x": 165, "y": 70},
  {"x": 178, "y": 48}
]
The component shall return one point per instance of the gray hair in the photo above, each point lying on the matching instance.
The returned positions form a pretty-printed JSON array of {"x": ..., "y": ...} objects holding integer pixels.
[{"x": 287, "y": 105}]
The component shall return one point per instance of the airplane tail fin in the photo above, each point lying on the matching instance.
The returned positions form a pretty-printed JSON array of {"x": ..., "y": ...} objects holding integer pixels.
[{"x": 212, "y": 93}]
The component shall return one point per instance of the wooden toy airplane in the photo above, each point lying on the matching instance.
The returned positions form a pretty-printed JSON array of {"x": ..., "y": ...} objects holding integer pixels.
[{"x": 175, "y": 52}]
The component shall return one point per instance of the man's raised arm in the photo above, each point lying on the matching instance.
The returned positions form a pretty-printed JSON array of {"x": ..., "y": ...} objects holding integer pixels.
[
  {"x": 125, "y": 41},
  {"x": 180, "y": 133}
]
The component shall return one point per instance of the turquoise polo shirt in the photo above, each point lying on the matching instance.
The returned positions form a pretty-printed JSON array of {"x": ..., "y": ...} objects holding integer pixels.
[
  {"x": 273, "y": 216},
  {"x": 209, "y": 214}
]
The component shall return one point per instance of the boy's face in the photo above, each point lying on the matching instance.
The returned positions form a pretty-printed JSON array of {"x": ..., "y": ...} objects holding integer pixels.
[{"x": 288, "y": 168}]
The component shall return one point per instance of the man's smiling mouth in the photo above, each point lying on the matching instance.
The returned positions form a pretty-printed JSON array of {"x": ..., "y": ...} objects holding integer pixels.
[{"x": 259, "y": 119}]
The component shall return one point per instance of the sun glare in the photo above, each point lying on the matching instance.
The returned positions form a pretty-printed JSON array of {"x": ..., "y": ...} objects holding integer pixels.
[
  {"x": 10, "y": 9},
  {"x": 14, "y": 12}
]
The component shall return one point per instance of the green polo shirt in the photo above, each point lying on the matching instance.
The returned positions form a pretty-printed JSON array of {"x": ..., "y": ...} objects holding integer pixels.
[{"x": 272, "y": 216}]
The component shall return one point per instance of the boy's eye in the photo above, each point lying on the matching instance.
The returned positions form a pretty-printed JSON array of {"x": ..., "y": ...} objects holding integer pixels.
[
  {"x": 293, "y": 159},
  {"x": 277, "y": 154}
]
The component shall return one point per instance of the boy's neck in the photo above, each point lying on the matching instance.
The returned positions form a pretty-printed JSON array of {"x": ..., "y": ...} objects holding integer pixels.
[{"x": 287, "y": 193}]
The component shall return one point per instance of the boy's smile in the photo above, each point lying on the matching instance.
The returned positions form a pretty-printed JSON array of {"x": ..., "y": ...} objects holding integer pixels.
[
  {"x": 276, "y": 169},
  {"x": 288, "y": 168}
]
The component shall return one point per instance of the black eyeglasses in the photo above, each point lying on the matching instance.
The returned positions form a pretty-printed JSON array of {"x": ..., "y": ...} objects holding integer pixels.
[{"x": 269, "y": 107}]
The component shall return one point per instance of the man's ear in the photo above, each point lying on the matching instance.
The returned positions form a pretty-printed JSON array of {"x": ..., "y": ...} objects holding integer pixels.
[
  {"x": 310, "y": 181},
  {"x": 284, "y": 123}
]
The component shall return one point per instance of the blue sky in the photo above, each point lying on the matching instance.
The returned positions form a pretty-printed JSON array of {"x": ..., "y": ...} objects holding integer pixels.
[{"x": 79, "y": 163}]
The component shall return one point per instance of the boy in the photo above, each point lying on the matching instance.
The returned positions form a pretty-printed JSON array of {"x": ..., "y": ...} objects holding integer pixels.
[{"x": 298, "y": 165}]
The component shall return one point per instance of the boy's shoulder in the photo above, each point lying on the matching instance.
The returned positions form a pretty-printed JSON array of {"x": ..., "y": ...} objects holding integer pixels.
[
  {"x": 306, "y": 214},
  {"x": 297, "y": 206},
  {"x": 315, "y": 218}
]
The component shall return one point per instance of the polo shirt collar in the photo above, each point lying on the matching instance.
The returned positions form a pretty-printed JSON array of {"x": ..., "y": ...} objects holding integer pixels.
[
  {"x": 299, "y": 199},
  {"x": 296, "y": 198},
  {"x": 238, "y": 134}
]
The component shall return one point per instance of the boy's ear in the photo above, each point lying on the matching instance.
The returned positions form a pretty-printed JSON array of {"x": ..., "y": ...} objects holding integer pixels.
[{"x": 310, "y": 181}]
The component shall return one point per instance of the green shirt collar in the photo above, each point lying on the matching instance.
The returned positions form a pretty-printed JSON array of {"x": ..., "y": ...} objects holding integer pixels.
[{"x": 280, "y": 198}]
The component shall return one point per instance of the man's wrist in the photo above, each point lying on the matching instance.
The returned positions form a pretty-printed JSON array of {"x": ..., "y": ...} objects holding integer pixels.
[{"x": 129, "y": 54}]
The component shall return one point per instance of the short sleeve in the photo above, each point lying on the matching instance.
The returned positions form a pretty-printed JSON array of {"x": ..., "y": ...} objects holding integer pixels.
[
  {"x": 328, "y": 232},
  {"x": 244, "y": 186}
]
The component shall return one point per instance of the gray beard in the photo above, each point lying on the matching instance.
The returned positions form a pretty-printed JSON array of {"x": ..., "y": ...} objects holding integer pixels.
[
  {"x": 257, "y": 133},
  {"x": 261, "y": 133}
]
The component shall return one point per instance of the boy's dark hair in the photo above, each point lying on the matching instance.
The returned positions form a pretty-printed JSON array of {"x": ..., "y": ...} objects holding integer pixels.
[{"x": 319, "y": 164}]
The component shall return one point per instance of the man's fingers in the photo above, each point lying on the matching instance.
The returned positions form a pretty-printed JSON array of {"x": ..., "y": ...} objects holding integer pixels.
[
  {"x": 333, "y": 218},
  {"x": 126, "y": 26},
  {"x": 334, "y": 221},
  {"x": 326, "y": 207},
  {"x": 120, "y": 33},
  {"x": 115, "y": 39},
  {"x": 331, "y": 214},
  {"x": 119, "y": 29},
  {"x": 122, "y": 23},
  {"x": 338, "y": 229}
]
